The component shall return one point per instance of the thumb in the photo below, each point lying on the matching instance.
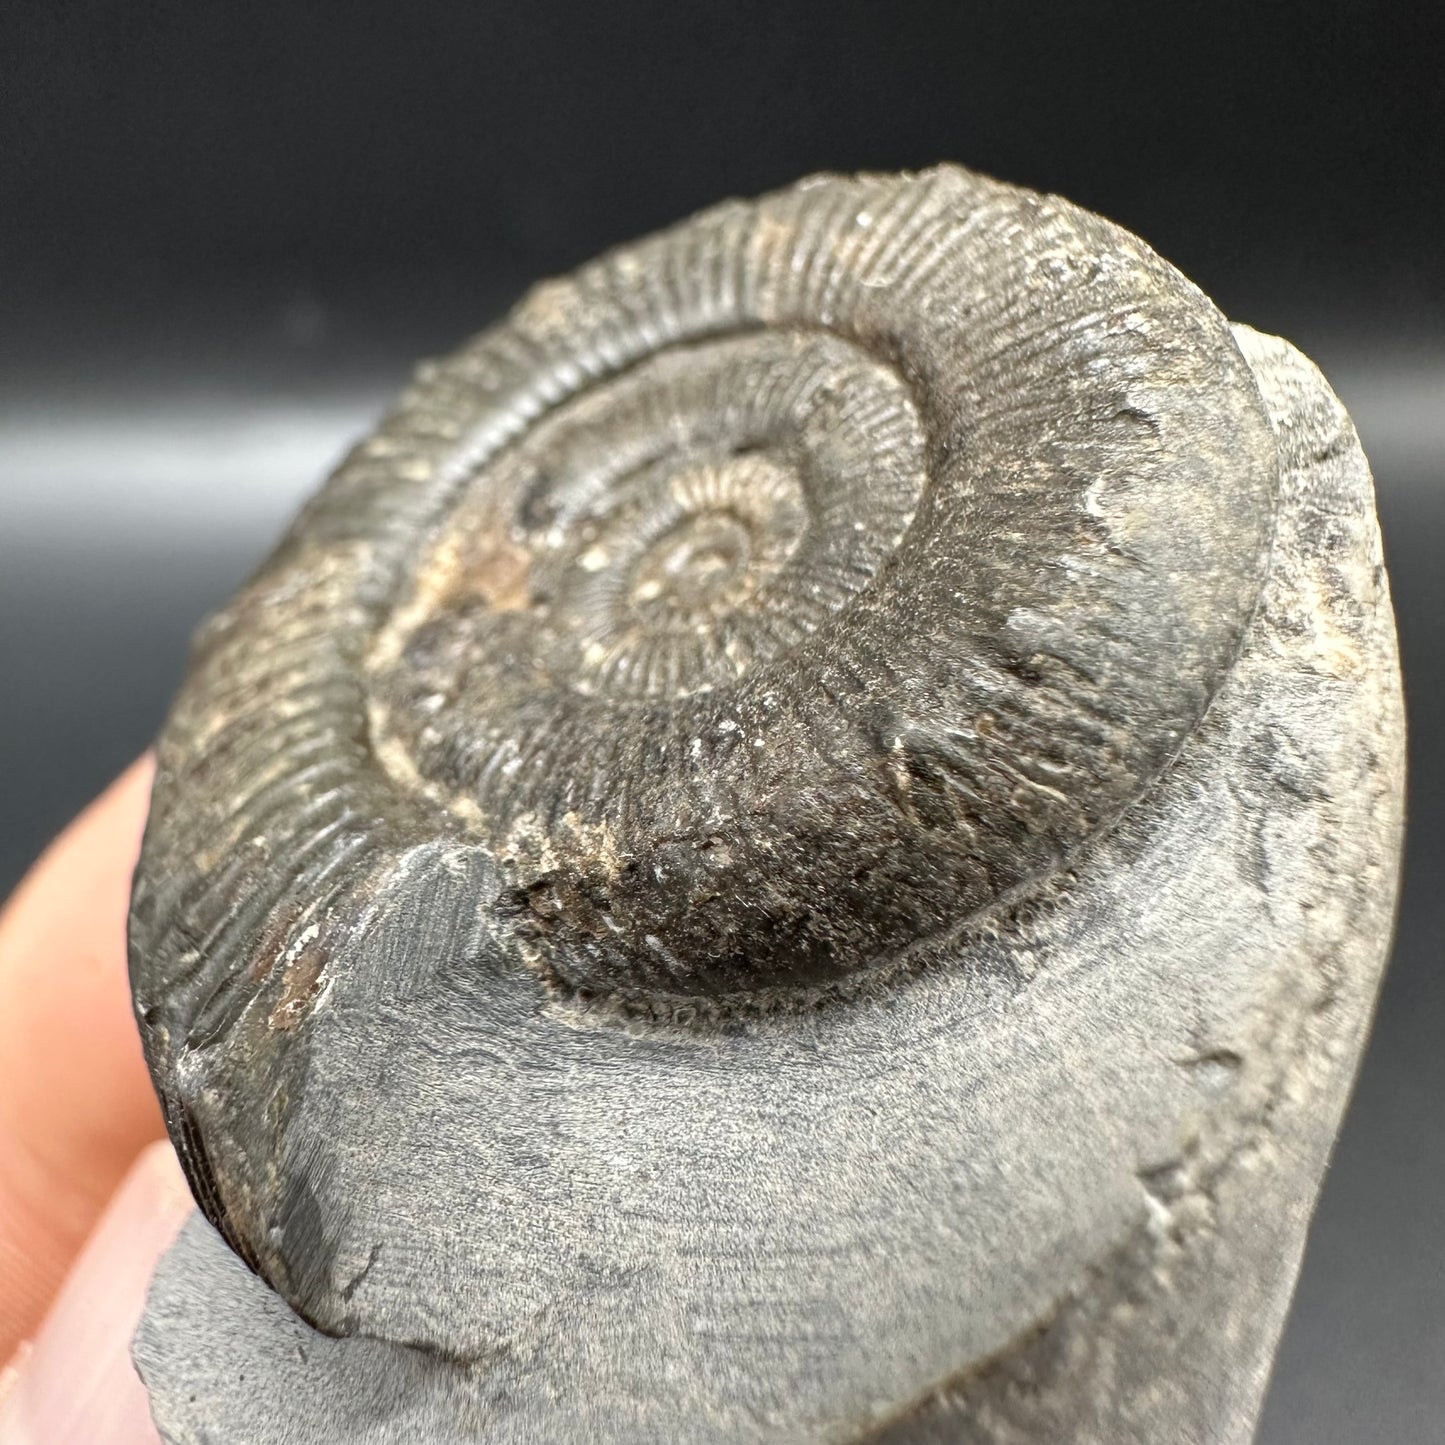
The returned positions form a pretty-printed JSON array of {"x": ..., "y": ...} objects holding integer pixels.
[{"x": 75, "y": 1384}]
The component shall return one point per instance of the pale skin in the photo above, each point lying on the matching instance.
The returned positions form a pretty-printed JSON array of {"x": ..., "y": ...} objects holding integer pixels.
[{"x": 89, "y": 1196}]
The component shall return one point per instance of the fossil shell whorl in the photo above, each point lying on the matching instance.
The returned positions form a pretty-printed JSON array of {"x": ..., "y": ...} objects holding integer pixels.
[
  {"x": 764, "y": 598},
  {"x": 854, "y": 574},
  {"x": 778, "y": 599},
  {"x": 767, "y": 599}
]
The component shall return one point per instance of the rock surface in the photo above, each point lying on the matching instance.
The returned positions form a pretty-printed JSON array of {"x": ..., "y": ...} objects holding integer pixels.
[{"x": 1016, "y": 1143}]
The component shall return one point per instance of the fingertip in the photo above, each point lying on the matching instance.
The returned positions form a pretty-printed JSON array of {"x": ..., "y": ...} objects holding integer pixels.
[
  {"x": 76, "y": 1104},
  {"x": 77, "y": 1385}
]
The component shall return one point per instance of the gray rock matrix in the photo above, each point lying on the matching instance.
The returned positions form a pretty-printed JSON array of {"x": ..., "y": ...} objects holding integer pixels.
[{"x": 799, "y": 848}]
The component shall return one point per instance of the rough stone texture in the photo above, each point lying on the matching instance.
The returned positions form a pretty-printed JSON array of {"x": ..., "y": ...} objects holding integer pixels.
[{"x": 953, "y": 1054}]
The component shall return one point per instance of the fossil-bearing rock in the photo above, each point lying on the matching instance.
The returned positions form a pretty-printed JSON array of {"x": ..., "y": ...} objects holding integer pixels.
[{"x": 797, "y": 849}]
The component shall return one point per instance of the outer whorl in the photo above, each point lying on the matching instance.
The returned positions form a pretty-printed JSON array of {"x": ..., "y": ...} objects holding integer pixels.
[
  {"x": 728, "y": 635},
  {"x": 765, "y": 598}
]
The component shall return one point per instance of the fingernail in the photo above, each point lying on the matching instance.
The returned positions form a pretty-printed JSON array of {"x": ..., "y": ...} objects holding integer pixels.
[{"x": 76, "y": 1385}]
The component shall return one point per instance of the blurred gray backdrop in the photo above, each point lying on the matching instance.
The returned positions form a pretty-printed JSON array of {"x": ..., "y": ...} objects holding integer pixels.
[{"x": 226, "y": 233}]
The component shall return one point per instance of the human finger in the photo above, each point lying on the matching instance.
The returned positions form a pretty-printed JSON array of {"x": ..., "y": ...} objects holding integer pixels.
[
  {"x": 76, "y": 1105},
  {"x": 75, "y": 1384}
]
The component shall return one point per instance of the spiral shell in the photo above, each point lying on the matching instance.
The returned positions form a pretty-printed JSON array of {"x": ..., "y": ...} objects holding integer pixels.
[
  {"x": 587, "y": 859},
  {"x": 765, "y": 598}
]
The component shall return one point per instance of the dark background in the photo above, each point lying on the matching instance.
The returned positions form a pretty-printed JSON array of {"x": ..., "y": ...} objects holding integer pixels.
[{"x": 226, "y": 231}]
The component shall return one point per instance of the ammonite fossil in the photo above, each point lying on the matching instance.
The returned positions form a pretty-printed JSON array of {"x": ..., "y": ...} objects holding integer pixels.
[{"x": 796, "y": 849}]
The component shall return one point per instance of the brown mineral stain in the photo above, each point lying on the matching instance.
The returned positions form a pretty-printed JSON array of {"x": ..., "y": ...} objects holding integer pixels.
[
  {"x": 300, "y": 983},
  {"x": 271, "y": 948},
  {"x": 501, "y": 572}
]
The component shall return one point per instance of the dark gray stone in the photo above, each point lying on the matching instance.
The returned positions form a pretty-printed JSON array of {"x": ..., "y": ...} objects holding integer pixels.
[{"x": 799, "y": 848}]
